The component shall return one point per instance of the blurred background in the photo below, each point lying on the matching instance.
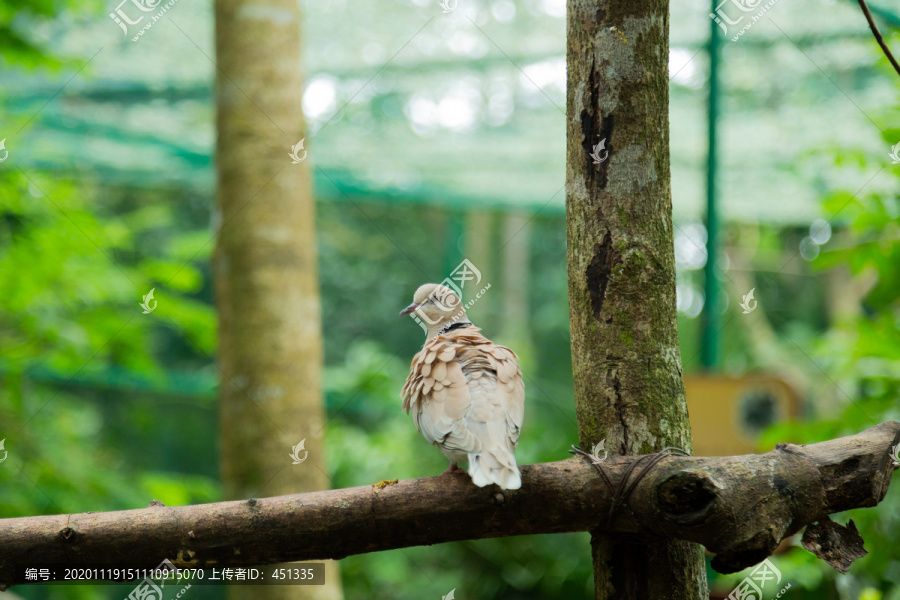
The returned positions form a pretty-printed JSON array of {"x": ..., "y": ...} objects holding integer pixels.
[{"x": 441, "y": 136}]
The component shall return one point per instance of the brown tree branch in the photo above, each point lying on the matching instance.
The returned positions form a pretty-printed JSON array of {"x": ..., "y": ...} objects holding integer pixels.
[
  {"x": 739, "y": 507},
  {"x": 877, "y": 34}
]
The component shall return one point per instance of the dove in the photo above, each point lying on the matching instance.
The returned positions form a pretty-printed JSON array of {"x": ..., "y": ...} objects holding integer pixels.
[{"x": 465, "y": 393}]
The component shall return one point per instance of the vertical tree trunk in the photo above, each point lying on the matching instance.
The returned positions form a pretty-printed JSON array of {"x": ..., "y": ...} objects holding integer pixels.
[
  {"x": 516, "y": 272},
  {"x": 480, "y": 248},
  {"x": 625, "y": 355},
  {"x": 265, "y": 268}
]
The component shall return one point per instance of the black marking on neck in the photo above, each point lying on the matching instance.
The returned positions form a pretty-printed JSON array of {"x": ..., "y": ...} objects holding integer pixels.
[{"x": 452, "y": 326}]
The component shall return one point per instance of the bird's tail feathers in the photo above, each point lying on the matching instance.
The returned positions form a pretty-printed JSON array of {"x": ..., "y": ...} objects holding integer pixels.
[{"x": 495, "y": 466}]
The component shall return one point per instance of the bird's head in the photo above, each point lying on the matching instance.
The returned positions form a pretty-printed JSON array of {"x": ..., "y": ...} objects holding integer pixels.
[{"x": 438, "y": 306}]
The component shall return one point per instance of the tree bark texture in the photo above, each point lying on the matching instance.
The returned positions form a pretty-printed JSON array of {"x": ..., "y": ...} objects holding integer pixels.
[
  {"x": 265, "y": 268},
  {"x": 689, "y": 498},
  {"x": 625, "y": 355}
]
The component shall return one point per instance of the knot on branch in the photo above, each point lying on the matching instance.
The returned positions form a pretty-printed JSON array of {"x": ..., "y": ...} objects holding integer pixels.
[
  {"x": 68, "y": 535},
  {"x": 688, "y": 497}
]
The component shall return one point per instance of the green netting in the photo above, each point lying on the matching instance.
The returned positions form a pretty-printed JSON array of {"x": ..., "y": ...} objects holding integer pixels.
[{"x": 465, "y": 109}]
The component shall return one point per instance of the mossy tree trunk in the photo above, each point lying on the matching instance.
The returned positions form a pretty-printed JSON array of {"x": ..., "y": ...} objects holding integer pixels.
[
  {"x": 626, "y": 361},
  {"x": 265, "y": 269}
]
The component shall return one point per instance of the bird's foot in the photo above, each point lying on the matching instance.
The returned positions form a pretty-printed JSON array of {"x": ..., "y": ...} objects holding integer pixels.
[{"x": 453, "y": 468}]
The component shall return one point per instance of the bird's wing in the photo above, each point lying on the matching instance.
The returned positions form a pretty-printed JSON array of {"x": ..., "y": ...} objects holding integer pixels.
[
  {"x": 510, "y": 389},
  {"x": 437, "y": 395},
  {"x": 498, "y": 408}
]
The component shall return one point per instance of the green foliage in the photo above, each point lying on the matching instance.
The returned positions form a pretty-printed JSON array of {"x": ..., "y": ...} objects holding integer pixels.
[
  {"x": 73, "y": 274},
  {"x": 24, "y": 25},
  {"x": 860, "y": 357}
]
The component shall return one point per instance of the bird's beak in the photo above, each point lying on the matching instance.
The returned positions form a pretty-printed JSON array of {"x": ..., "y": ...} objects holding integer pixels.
[{"x": 409, "y": 309}]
